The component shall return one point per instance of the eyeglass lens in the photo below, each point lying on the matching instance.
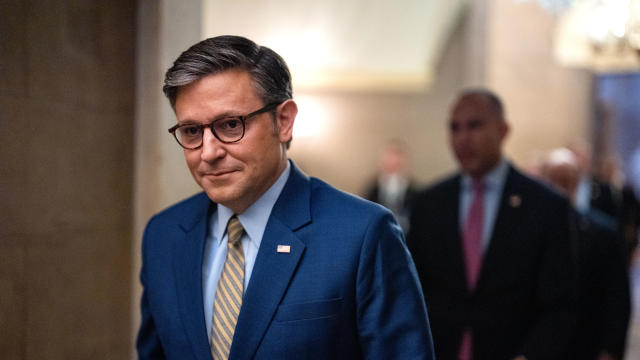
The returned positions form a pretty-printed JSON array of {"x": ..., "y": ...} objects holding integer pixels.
[{"x": 226, "y": 130}]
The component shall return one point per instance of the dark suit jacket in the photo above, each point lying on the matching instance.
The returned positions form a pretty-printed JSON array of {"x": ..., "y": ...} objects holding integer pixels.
[
  {"x": 603, "y": 198},
  {"x": 347, "y": 290},
  {"x": 604, "y": 295},
  {"x": 524, "y": 295},
  {"x": 629, "y": 221}
]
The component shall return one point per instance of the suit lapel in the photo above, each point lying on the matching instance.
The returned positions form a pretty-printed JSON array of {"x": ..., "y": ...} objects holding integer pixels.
[
  {"x": 273, "y": 270},
  {"x": 507, "y": 219},
  {"x": 451, "y": 228},
  {"x": 188, "y": 274}
]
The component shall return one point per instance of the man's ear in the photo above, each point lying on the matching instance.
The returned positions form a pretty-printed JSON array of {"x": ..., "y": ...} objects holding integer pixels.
[
  {"x": 505, "y": 128},
  {"x": 286, "y": 116}
]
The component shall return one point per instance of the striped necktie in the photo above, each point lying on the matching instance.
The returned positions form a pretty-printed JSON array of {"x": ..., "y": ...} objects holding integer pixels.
[{"x": 228, "y": 299}]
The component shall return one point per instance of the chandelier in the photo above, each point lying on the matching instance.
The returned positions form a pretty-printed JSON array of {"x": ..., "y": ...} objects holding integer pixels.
[{"x": 599, "y": 34}]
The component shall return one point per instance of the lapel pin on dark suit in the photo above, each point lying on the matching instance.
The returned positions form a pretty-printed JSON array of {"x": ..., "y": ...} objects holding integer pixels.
[
  {"x": 515, "y": 201},
  {"x": 283, "y": 249}
]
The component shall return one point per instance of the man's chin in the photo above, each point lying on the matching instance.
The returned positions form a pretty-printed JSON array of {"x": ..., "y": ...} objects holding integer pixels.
[
  {"x": 218, "y": 197},
  {"x": 468, "y": 167}
]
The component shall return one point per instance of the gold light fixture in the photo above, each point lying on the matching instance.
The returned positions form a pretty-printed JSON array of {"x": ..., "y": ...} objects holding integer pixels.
[{"x": 603, "y": 35}]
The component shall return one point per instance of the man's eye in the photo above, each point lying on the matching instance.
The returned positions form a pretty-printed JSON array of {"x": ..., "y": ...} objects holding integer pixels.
[
  {"x": 477, "y": 124},
  {"x": 228, "y": 124},
  {"x": 190, "y": 130}
]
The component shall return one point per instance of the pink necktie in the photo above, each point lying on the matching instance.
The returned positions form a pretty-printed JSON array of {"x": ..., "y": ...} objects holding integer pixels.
[
  {"x": 473, "y": 254},
  {"x": 473, "y": 234}
]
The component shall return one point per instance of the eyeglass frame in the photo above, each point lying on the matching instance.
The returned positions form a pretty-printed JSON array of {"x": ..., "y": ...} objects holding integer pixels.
[{"x": 243, "y": 118}]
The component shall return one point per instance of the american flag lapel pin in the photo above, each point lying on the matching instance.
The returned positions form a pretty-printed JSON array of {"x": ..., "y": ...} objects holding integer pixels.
[
  {"x": 515, "y": 201},
  {"x": 284, "y": 249}
]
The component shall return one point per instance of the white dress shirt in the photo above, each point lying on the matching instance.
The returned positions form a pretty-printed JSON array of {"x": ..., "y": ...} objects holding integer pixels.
[{"x": 583, "y": 195}]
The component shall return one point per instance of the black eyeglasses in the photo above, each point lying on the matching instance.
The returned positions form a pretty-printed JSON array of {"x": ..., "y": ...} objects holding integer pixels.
[{"x": 228, "y": 129}]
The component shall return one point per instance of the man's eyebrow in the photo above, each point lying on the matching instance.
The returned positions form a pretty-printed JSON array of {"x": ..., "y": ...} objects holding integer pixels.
[
  {"x": 209, "y": 120},
  {"x": 188, "y": 122},
  {"x": 225, "y": 114}
]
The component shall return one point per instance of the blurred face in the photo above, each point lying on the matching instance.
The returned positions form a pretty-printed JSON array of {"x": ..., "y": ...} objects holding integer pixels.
[
  {"x": 394, "y": 161},
  {"x": 237, "y": 174},
  {"x": 476, "y": 133},
  {"x": 563, "y": 177}
]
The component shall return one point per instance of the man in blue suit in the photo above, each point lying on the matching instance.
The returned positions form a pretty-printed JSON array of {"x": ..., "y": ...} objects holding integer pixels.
[{"x": 267, "y": 263}]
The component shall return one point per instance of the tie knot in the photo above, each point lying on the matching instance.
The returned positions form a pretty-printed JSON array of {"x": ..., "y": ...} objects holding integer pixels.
[
  {"x": 478, "y": 185},
  {"x": 234, "y": 230}
]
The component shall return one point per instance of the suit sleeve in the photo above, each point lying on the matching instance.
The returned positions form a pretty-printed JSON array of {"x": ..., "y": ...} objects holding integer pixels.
[
  {"x": 413, "y": 239},
  {"x": 148, "y": 343},
  {"x": 556, "y": 290},
  {"x": 391, "y": 312}
]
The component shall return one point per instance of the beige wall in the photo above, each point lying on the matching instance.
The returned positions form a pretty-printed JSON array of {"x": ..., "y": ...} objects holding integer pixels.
[
  {"x": 357, "y": 125},
  {"x": 361, "y": 123},
  {"x": 547, "y": 105},
  {"x": 165, "y": 29},
  {"x": 66, "y": 121},
  {"x": 502, "y": 44}
]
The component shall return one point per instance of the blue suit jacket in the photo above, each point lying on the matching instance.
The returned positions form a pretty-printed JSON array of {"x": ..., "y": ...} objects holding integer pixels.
[{"x": 347, "y": 290}]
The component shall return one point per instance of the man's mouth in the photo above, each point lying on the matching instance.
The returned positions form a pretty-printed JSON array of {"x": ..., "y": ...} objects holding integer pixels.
[{"x": 218, "y": 173}]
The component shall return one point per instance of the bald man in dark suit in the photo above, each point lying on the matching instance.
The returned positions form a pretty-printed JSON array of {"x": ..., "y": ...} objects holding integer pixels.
[{"x": 492, "y": 249}]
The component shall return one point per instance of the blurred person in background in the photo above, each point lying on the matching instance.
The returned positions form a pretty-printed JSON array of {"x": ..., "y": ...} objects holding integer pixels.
[
  {"x": 604, "y": 299},
  {"x": 627, "y": 207},
  {"x": 592, "y": 191},
  {"x": 393, "y": 186},
  {"x": 491, "y": 247}
]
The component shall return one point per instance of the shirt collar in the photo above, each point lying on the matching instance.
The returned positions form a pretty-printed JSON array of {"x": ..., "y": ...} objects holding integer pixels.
[
  {"x": 254, "y": 219},
  {"x": 494, "y": 179}
]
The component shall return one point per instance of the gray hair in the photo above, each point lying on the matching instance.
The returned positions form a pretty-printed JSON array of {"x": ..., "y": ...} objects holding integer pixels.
[{"x": 269, "y": 72}]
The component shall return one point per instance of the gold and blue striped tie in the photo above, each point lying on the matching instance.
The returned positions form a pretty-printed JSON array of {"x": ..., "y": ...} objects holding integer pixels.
[{"x": 228, "y": 299}]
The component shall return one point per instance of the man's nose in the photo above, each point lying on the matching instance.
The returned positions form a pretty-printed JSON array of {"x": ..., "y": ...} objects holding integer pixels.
[
  {"x": 460, "y": 135},
  {"x": 212, "y": 148}
]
